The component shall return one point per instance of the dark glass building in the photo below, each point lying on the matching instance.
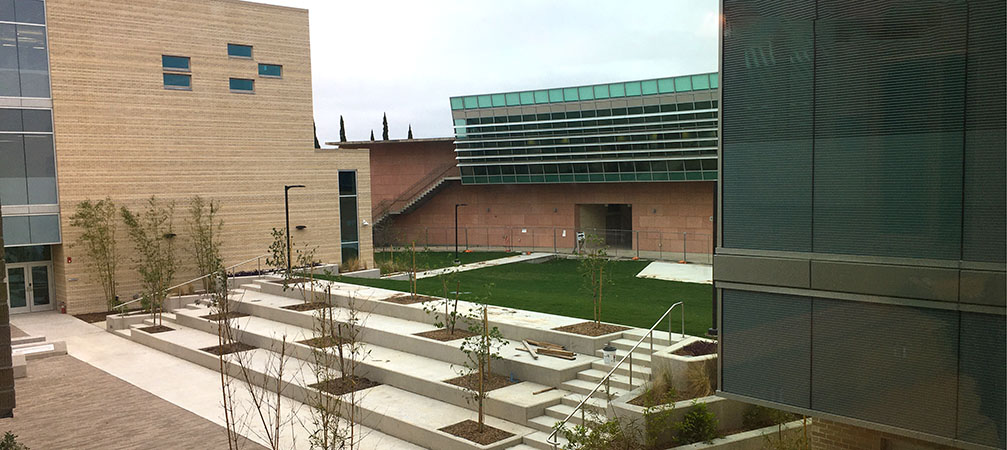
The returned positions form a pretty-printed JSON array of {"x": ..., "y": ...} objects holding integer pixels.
[
  {"x": 650, "y": 130},
  {"x": 860, "y": 261}
]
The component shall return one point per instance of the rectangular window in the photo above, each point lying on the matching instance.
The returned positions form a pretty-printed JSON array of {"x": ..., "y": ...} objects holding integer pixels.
[
  {"x": 33, "y": 61},
  {"x": 349, "y": 235},
  {"x": 10, "y": 85},
  {"x": 177, "y": 81},
  {"x": 347, "y": 183},
  {"x": 29, "y": 11},
  {"x": 242, "y": 85},
  {"x": 457, "y": 103},
  {"x": 239, "y": 51},
  {"x": 175, "y": 63},
  {"x": 271, "y": 70}
]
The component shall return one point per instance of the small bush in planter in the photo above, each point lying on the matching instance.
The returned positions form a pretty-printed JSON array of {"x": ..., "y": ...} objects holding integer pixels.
[
  {"x": 756, "y": 416},
  {"x": 699, "y": 425},
  {"x": 10, "y": 442}
]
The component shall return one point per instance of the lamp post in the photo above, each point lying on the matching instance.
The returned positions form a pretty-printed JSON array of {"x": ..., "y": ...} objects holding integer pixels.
[
  {"x": 457, "y": 205},
  {"x": 286, "y": 208}
]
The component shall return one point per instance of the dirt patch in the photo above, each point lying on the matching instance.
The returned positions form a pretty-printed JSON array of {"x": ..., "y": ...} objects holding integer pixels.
[
  {"x": 324, "y": 341},
  {"x": 698, "y": 348},
  {"x": 591, "y": 329},
  {"x": 227, "y": 349},
  {"x": 651, "y": 398},
  {"x": 156, "y": 329},
  {"x": 443, "y": 335},
  {"x": 408, "y": 299},
  {"x": 491, "y": 382},
  {"x": 220, "y": 316},
  {"x": 344, "y": 385},
  {"x": 307, "y": 306},
  {"x": 293, "y": 281},
  {"x": 469, "y": 429},
  {"x": 99, "y": 316}
]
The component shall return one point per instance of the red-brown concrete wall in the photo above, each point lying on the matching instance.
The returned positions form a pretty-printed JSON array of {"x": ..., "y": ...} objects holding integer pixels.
[
  {"x": 398, "y": 165},
  {"x": 497, "y": 214}
]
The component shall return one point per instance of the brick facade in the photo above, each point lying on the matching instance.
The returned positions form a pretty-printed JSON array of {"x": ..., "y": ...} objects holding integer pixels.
[
  {"x": 120, "y": 134},
  {"x": 828, "y": 435}
]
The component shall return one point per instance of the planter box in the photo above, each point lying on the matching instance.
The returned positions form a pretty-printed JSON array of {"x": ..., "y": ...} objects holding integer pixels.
[
  {"x": 729, "y": 412},
  {"x": 123, "y": 321},
  {"x": 749, "y": 440},
  {"x": 366, "y": 273},
  {"x": 680, "y": 365}
]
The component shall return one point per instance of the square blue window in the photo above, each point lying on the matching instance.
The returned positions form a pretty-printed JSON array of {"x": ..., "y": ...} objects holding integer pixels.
[
  {"x": 239, "y": 51},
  {"x": 177, "y": 81},
  {"x": 617, "y": 90},
  {"x": 601, "y": 91},
  {"x": 683, "y": 84},
  {"x": 513, "y": 99},
  {"x": 666, "y": 85},
  {"x": 586, "y": 93},
  {"x": 570, "y": 94},
  {"x": 485, "y": 101},
  {"x": 527, "y": 98},
  {"x": 649, "y": 87},
  {"x": 471, "y": 102},
  {"x": 178, "y": 63},
  {"x": 701, "y": 82},
  {"x": 543, "y": 96},
  {"x": 555, "y": 95},
  {"x": 271, "y": 70},
  {"x": 498, "y": 100},
  {"x": 242, "y": 85},
  {"x": 633, "y": 89},
  {"x": 714, "y": 80},
  {"x": 457, "y": 103}
]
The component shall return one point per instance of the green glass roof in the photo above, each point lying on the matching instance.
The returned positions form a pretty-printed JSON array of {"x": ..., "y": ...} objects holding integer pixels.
[{"x": 685, "y": 83}]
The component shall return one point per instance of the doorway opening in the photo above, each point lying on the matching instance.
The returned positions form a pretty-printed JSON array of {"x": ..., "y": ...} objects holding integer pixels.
[
  {"x": 612, "y": 222},
  {"x": 29, "y": 278}
]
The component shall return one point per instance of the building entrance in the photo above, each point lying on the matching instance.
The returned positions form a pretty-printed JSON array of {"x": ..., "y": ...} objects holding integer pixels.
[
  {"x": 29, "y": 278},
  {"x": 613, "y": 223}
]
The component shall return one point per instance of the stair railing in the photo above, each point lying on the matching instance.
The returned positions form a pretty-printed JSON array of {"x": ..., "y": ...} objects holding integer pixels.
[
  {"x": 553, "y": 438},
  {"x": 386, "y": 206},
  {"x": 122, "y": 306}
]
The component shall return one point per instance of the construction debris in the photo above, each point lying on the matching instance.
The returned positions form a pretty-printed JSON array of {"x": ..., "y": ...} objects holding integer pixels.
[
  {"x": 541, "y": 391},
  {"x": 527, "y": 348}
]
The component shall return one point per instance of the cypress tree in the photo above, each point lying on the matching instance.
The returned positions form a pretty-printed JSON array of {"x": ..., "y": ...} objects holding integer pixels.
[
  {"x": 315, "y": 128},
  {"x": 342, "y": 129},
  {"x": 384, "y": 127},
  {"x": 372, "y": 135},
  {"x": 410, "y": 136}
]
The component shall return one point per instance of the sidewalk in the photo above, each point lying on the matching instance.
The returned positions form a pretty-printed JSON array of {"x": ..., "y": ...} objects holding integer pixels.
[{"x": 534, "y": 257}]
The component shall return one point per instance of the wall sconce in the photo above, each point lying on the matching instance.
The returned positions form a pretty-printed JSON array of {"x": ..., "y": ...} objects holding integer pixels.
[
  {"x": 654, "y": 211},
  {"x": 555, "y": 210},
  {"x": 301, "y": 227},
  {"x": 365, "y": 222}
]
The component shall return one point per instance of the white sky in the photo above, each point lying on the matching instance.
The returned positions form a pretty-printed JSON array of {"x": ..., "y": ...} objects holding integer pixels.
[{"x": 407, "y": 58}]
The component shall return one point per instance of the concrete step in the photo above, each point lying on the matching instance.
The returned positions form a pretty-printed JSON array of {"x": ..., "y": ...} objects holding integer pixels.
[
  {"x": 521, "y": 447},
  {"x": 615, "y": 381},
  {"x": 538, "y": 440},
  {"x": 584, "y": 387},
  {"x": 626, "y": 344},
  {"x": 27, "y": 340},
  {"x": 39, "y": 350},
  {"x": 639, "y": 359},
  {"x": 543, "y": 423},
  {"x": 596, "y": 404},
  {"x": 384, "y": 408},
  {"x": 559, "y": 412},
  {"x": 642, "y": 372}
]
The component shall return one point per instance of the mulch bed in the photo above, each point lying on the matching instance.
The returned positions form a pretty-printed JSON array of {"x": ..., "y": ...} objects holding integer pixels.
[
  {"x": 307, "y": 306},
  {"x": 591, "y": 329},
  {"x": 324, "y": 341},
  {"x": 698, "y": 348},
  {"x": 491, "y": 382},
  {"x": 99, "y": 316},
  {"x": 469, "y": 429},
  {"x": 443, "y": 335},
  {"x": 344, "y": 385},
  {"x": 650, "y": 398},
  {"x": 407, "y": 299},
  {"x": 219, "y": 316},
  {"x": 227, "y": 349},
  {"x": 156, "y": 329}
]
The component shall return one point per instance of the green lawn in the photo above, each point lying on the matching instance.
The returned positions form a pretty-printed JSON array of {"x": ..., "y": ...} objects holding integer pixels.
[
  {"x": 555, "y": 287},
  {"x": 426, "y": 260}
]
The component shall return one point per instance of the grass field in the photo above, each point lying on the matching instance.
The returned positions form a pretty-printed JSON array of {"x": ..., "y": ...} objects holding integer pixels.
[
  {"x": 390, "y": 262},
  {"x": 555, "y": 287}
]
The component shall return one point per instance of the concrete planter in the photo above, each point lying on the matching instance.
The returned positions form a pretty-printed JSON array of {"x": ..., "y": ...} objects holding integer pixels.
[
  {"x": 749, "y": 440},
  {"x": 729, "y": 412},
  {"x": 366, "y": 273},
  {"x": 123, "y": 321},
  {"x": 681, "y": 365}
]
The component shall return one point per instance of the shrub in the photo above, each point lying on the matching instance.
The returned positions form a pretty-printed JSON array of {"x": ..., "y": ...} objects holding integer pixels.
[
  {"x": 10, "y": 442},
  {"x": 699, "y": 425},
  {"x": 756, "y": 416}
]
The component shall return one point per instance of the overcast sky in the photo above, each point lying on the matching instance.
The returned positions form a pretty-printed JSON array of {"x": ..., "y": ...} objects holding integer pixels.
[{"x": 407, "y": 58}]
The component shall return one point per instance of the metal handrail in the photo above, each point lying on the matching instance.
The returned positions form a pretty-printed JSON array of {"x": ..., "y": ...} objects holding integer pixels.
[
  {"x": 123, "y": 305},
  {"x": 650, "y": 333},
  {"x": 385, "y": 206}
]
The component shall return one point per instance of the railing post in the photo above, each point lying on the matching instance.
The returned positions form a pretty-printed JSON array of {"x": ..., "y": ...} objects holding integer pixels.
[
  {"x": 426, "y": 237},
  {"x": 631, "y": 367},
  {"x": 651, "y": 341},
  {"x": 660, "y": 245},
  {"x": 554, "y": 248},
  {"x": 638, "y": 243},
  {"x": 684, "y": 258},
  {"x": 466, "y": 238},
  {"x": 683, "y": 323}
]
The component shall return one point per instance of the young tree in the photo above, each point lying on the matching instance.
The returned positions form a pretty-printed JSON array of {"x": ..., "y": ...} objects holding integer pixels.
[
  {"x": 97, "y": 222},
  {"x": 342, "y": 129},
  {"x": 204, "y": 233},
  {"x": 480, "y": 349},
  {"x": 449, "y": 320},
  {"x": 152, "y": 236},
  {"x": 384, "y": 127},
  {"x": 593, "y": 263},
  {"x": 315, "y": 128},
  {"x": 372, "y": 135},
  {"x": 410, "y": 135}
]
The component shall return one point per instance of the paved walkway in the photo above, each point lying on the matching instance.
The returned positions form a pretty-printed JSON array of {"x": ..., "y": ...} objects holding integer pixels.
[
  {"x": 534, "y": 257},
  {"x": 687, "y": 273},
  {"x": 65, "y": 403},
  {"x": 189, "y": 386}
]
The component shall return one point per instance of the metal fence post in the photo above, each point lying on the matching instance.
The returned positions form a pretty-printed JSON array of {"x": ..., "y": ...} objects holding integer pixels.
[
  {"x": 660, "y": 245},
  {"x": 426, "y": 237},
  {"x": 466, "y": 238},
  {"x": 638, "y": 243},
  {"x": 554, "y": 248},
  {"x": 684, "y": 258}
]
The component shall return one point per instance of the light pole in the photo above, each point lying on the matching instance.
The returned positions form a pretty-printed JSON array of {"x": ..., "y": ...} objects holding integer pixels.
[
  {"x": 457, "y": 205},
  {"x": 286, "y": 208}
]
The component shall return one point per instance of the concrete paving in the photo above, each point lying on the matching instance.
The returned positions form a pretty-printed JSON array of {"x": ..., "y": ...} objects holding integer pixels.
[
  {"x": 187, "y": 385},
  {"x": 686, "y": 273},
  {"x": 523, "y": 257}
]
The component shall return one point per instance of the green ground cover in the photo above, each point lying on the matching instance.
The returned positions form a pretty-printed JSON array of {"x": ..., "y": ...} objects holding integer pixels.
[
  {"x": 555, "y": 287},
  {"x": 399, "y": 261}
]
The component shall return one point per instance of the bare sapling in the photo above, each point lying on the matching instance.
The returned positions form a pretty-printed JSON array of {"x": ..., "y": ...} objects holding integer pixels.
[
  {"x": 152, "y": 235},
  {"x": 593, "y": 264},
  {"x": 480, "y": 349},
  {"x": 97, "y": 222}
]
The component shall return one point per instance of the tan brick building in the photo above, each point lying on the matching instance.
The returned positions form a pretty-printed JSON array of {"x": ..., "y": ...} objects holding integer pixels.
[{"x": 180, "y": 98}]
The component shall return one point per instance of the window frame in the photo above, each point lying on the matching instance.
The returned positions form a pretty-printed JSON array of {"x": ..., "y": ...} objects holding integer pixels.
[
  {"x": 171, "y": 87},
  {"x": 187, "y": 69},
  {"x": 230, "y": 86},
  {"x": 262, "y": 75},
  {"x": 251, "y": 51}
]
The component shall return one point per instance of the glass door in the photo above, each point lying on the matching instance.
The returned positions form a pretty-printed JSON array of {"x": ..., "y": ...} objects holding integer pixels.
[
  {"x": 41, "y": 297},
  {"x": 17, "y": 289}
]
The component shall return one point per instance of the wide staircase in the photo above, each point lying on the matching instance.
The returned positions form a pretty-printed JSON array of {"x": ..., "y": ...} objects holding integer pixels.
[
  {"x": 413, "y": 402},
  {"x": 415, "y": 195}
]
